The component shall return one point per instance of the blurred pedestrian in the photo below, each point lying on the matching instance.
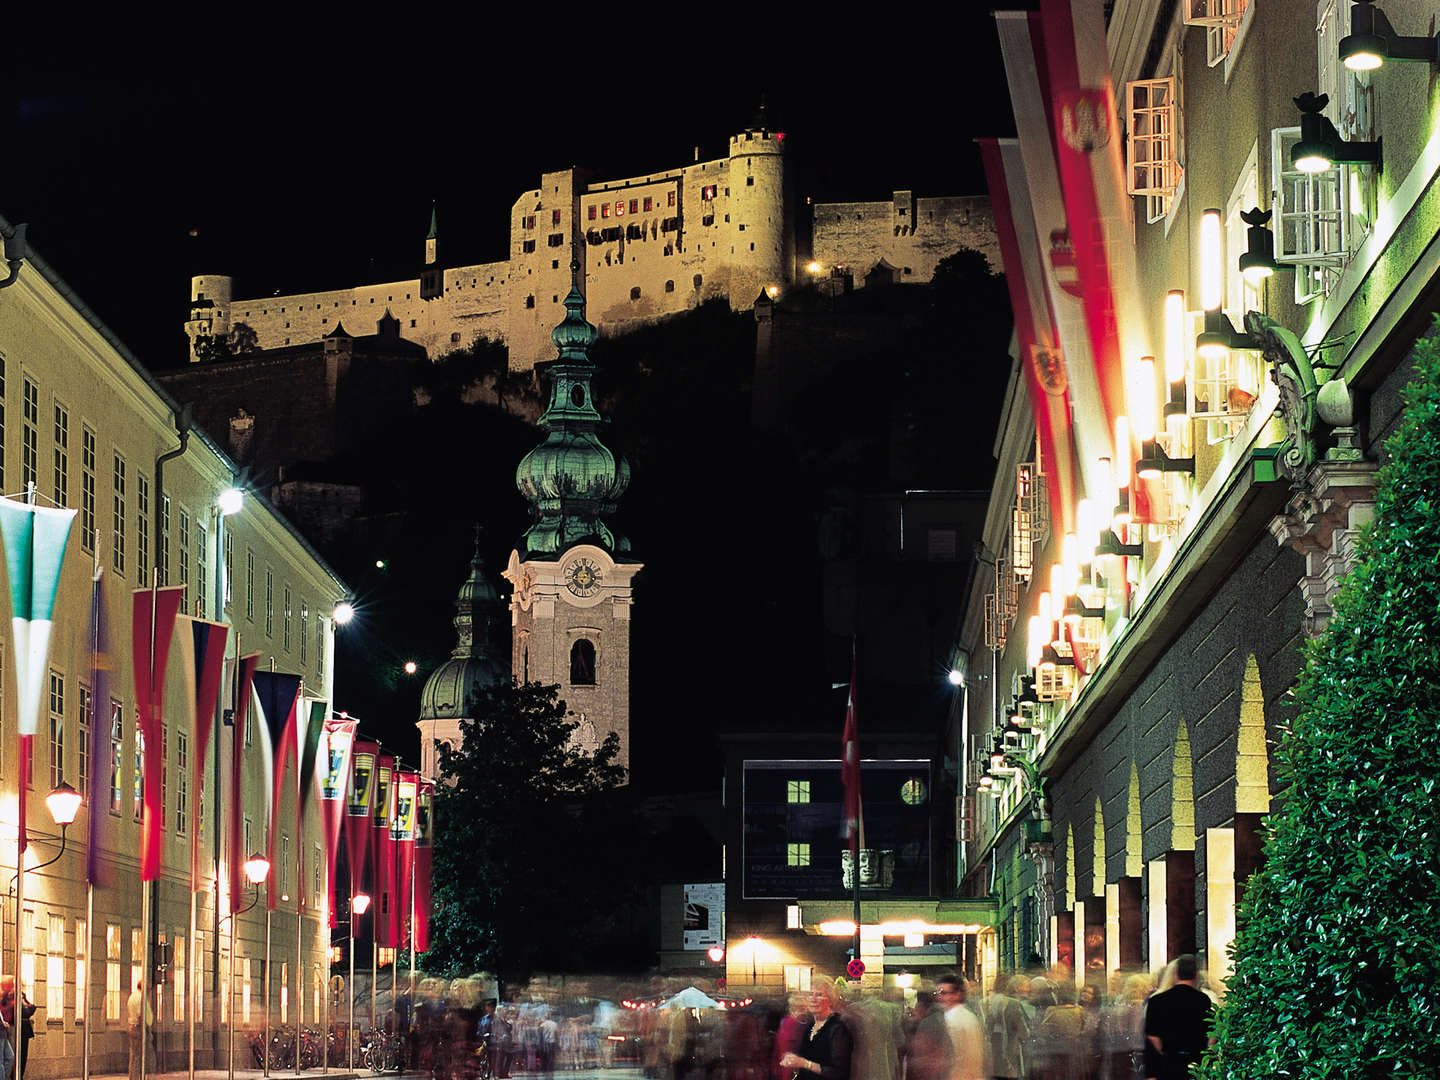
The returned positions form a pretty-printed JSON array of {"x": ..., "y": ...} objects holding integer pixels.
[
  {"x": 826, "y": 1052},
  {"x": 1177, "y": 1022},
  {"x": 790, "y": 1035},
  {"x": 1006, "y": 1028},
  {"x": 929, "y": 1054},
  {"x": 967, "y": 1039}
]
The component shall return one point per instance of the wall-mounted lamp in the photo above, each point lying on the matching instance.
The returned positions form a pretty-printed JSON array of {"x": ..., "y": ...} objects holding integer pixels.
[
  {"x": 1258, "y": 262},
  {"x": 985, "y": 782},
  {"x": 1220, "y": 335},
  {"x": 1154, "y": 461},
  {"x": 1175, "y": 404},
  {"x": 1321, "y": 146},
  {"x": 1372, "y": 41},
  {"x": 1075, "y": 608},
  {"x": 1110, "y": 544},
  {"x": 16, "y": 251}
]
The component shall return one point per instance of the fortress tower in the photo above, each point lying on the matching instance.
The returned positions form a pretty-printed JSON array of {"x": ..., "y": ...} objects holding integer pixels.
[
  {"x": 209, "y": 307},
  {"x": 762, "y": 237},
  {"x": 571, "y": 571}
]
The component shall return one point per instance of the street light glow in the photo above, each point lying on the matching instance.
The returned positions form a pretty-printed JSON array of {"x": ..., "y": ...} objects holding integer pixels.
[
  {"x": 231, "y": 501},
  {"x": 410, "y": 667},
  {"x": 257, "y": 868},
  {"x": 343, "y": 613},
  {"x": 64, "y": 803},
  {"x": 360, "y": 903},
  {"x": 956, "y": 677}
]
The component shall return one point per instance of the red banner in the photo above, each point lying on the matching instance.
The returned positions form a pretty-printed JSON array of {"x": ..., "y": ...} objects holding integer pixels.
[
  {"x": 402, "y": 832},
  {"x": 244, "y": 681},
  {"x": 336, "y": 742},
  {"x": 424, "y": 826},
  {"x": 152, "y": 626},
  {"x": 382, "y": 856},
  {"x": 208, "y": 668},
  {"x": 359, "y": 809}
]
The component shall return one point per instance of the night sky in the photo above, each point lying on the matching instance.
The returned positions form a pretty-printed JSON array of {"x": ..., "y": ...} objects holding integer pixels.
[{"x": 311, "y": 163}]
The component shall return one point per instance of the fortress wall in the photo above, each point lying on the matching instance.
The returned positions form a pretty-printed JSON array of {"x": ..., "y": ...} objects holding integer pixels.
[{"x": 906, "y": 232}]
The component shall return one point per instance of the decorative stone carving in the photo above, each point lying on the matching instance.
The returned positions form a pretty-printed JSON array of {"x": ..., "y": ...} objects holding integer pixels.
[
  {"x": 1322, "y": 521},
  {"x": 1334, "y": 493}
]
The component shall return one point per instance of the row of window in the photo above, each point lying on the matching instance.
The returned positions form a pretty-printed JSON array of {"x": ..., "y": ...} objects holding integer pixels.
[
  {"x": 67, "y": 972},
  {"x": 1320, "y": 219},
  {"x": 643, "y": 205}
]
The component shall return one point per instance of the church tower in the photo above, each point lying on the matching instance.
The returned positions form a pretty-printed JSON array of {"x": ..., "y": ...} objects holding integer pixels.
[
  {"x": 478, "y": 660},
  {"x": 432, "y": 276},
  {"x": 571, "y": 572}
]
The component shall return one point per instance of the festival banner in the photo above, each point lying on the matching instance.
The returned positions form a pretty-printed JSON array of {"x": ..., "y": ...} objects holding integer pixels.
[
  {"x": 202, "y": 656},
  {"x": 382, "y": 855},
  {"x": 277, "y": 699},
  {"x": 35, "y": 538},
  {"x": 313, "y": 712},
  {"x": 152, "y": 627},
  {"x": 1022, "y": 48},
  {"x": 359, "y": 808},
  {"x": 402, "y": 833},
  {"x": 336, "y": 741},
  {"x": 1085, "y": 133},
  {"x": 102, "y": 674},
  {"x": 1041, "y": 357},
  {"x": 424, "y": 833},
  {"x": 244, "y": 688}
]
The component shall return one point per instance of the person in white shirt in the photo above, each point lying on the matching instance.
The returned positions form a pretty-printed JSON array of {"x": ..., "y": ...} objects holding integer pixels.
[
  {"x": 966, "y": 1035},
  {"x": 132, "y": 1016}
]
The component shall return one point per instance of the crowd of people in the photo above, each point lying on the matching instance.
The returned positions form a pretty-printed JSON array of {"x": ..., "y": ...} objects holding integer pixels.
[{"x": 1026, "y": 1027}]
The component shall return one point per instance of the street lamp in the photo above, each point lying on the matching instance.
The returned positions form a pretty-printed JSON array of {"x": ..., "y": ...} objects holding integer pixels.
[
  {"x": 230, "y": 502},
  {"x": 344, "y": 611},
  {"x": 257, "y": 869},
  {"x": 359, "y": 904}
]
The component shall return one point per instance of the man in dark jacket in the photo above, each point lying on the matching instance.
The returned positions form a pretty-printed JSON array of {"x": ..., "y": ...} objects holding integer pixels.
[{"x": 1177, "y": 1022}]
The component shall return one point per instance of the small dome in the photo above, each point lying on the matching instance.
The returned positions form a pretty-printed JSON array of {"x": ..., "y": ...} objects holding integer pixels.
[
  {"x": 572, "y": 465},
  {"x": 454, "y": 686}
]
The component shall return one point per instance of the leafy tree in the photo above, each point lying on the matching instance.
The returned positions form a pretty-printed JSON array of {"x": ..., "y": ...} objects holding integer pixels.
[
  {"x": 1337, "y": 957},
  {"x": 243, "y": 339},
  {"x": 517, "y": 860}
]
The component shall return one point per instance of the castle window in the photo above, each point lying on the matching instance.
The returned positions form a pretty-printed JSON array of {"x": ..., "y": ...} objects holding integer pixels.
[
  {"x": 605, "y": 210},
  {"x": 649, "y": 204},
  {"x": 698, "y": 279},
  {"x": 528, "y": 221},
  {"x": 727, "y": 219},
  {"x": 527, "y": 246},
  {"x": 727, "y": 192},
  {"x": 554, "y": 264},
  {"x": 708, "y": 219},
  {"x": 455, "y": 339},
  {"x": 556, "y": 239},
  {"x": 412, "y": 324},
  {"x": 635, "y": 293},
  {"x": 555, "y": 217},
  {"x": 750, "y": 182},
  {"x": 634, "y": 206},
  {"x": 619, "y": 207},
  {"x": 582, "y": 663},
  {"x": 590, "y": 214},
  {"x": 669, "y": 286},
  {"x": 707, "y": 194},
  {"x": 529, "y": 301},
  {"x": 670, "y": 198}
]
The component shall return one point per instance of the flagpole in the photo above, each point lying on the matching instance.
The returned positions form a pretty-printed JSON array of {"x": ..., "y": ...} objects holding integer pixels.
[
  {"x": 83, "y": 1006},
  {"x": 147, "y": 887},
  {"x": 229, "y": 988},
  {"x": 299, "y": 885},
  {"x": 20, "y": 902},
  {"x": 267, "y": 991}
]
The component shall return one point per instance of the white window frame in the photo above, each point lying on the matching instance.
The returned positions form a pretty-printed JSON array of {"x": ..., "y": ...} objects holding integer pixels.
[
  {"x": 1311, "y": 220},
  {"x": 54, "y": 966},
  {"x": 1151, "y": 157},
  {"x": 1225, "y": 23}
]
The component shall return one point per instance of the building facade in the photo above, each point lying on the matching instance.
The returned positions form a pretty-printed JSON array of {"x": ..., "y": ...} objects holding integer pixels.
[
  {"x": 1128, "y": 670},
  {"x": 91, "y": 430},
  {"x": 901, "y": 240}
]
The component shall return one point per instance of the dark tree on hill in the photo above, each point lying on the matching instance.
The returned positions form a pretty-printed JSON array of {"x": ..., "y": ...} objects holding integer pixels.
[
  {"x": 1338, "y": 949},
  {"x": 519, "y": 865}
]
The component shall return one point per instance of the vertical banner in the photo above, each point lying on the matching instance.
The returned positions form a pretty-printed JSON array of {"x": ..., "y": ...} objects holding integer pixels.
[
  {"x": 312, "y": 728},
  {"x": 1041, "y": 357},
  {"x": 277, "y": 699},
  {"x": 359, "y": 808},
  {"x": 102, "y": 669},
  {"x": 152, "y": 626},
  {"x": 336, "y": 741},
  {"x": 382, "y": 855},
  {"x": 402, "y": 833},
  {"x": 203, "y": 653},
  {"x": 1085, "y": 126},
  {"x": 244, "y": 692},
  {"x": 424, "y": 832}
]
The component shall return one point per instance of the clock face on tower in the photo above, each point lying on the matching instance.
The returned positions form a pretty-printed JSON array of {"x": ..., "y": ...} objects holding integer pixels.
[{"x": 582, "y": 577}]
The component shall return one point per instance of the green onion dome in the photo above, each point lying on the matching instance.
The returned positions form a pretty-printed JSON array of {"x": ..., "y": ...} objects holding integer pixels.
[{"x": 481, "y": 656}]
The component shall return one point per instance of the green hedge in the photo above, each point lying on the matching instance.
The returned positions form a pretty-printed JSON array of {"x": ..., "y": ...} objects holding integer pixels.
[{"x": 1337, "y": 954}]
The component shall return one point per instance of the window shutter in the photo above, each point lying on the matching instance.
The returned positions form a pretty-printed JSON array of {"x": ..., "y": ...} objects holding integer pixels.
[
  {"x": 1311, "y": 218},
  {"x": 1213, "y": 12},
  {"x": 1150, "y": 109}
]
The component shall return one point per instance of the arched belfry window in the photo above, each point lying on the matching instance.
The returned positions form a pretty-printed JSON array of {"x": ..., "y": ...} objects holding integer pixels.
[{"x": 582, "y": 663}]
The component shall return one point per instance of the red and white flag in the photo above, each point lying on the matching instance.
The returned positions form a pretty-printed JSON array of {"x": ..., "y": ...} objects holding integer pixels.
[
  {"x": 359, "y": 810},
  {"x": 1041, "y": 357},
  {"x": 336, "y": 741},
  {"x": 244, "y": 691},
  {"x": 850, "y": 778},
  {"x": 202, "y": 658},
  {"x": 1085, "y": 132},
  {"x": 153, "y": 615},
  {"x": 382, "y": 857},
  {"x": 402, "y": 832}
]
